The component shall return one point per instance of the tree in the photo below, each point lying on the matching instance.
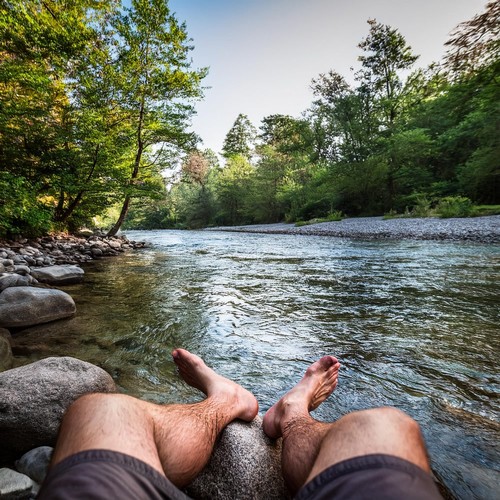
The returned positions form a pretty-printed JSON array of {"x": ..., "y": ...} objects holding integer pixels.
[
  {"x": 286, "y": 144},
  {"x": 39, "y": 43},
  {"x": 196, "y": 168},
  {"x": 461, "y": 116},
  {"x": 197, "y": 203},
  {"x": 156, "y": 87},
  {"x": 89, "y": 179},
  {"x": 240, "y": 140},
  {"x": 346, "y": 118},
  {"x": 475, "y": 44},
  {"x": 233, "y": 189},
  {"x": 386, "y": 56}
]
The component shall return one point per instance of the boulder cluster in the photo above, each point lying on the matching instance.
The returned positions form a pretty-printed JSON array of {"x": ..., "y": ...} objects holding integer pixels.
[
  {"x": 30, "y": 269},
  {"x": 61, "y": 249},
  {"x": 33, "y": 398}
]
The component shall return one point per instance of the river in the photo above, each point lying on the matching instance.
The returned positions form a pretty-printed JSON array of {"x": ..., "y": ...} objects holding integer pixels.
[{"x": 415, "y": 324}]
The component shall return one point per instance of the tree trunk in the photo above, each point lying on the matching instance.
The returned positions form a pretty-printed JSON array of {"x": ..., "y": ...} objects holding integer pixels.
[
  {"x": 121, "y": 218},
  {"x": 63, "y": 215},
  {"x": 135, "y": 172}
]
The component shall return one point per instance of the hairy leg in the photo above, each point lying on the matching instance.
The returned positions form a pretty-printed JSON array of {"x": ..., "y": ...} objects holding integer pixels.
[
  {"x": 380, "y": 430},
  {"x": 290, "y": 418},
  {"x": 309, "y": 446},
  {"x": 176, "y": 440}
]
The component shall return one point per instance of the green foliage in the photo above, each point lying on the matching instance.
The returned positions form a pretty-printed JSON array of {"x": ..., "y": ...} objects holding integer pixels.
[
  {"x": 421, "y": 206},
  {"x": 21, "y": 212},
  {"x": 96, "y": 100},
  {"x": 233, "y": 184},
  {"x": 486, "y": 210},
  {"x": 240, "y": 139},
  {"x": 454, "y": 206},
  {"x": 156, "y": 215}
]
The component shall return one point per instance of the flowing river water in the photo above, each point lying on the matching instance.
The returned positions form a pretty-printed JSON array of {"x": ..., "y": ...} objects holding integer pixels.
[{"x": 415, "y": 324}]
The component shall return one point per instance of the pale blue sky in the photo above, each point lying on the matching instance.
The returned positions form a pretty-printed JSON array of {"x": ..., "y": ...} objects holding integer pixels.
[{"x": 263, "y": 54}]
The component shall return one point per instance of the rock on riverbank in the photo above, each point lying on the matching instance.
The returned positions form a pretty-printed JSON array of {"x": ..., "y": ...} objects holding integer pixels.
[
  {"x": 27, "y": 268},
  {"x": 33, "y": 399},
  {"x": 60, "y": 249},
  {"x": 477, "y": 229},
  {"x": 26, "y": 306},
  {"x": 245, "y": 464}
]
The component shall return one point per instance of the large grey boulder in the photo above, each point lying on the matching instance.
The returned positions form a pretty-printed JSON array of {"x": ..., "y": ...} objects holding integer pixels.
[
  {"x": 33, "y": 399},
  {"x": 59, "y": 275},
  {"x": 245, "y": 464},
  {"x": 25, "y": 306}
]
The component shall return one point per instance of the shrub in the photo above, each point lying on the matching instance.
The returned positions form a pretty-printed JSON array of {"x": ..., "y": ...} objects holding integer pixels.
[
  {"x": 21, "y": 213},
  {"x": 422, "y": 207},
  {"x": 335, "y": 215},
  {"x": 455, "y": 206}
]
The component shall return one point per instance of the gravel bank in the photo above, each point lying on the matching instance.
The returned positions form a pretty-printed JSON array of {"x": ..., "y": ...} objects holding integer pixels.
[{"x": 478, "y": 229}]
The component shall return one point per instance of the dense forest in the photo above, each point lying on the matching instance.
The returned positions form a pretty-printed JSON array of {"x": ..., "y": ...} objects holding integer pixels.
[{"x": 95, "y": 106}]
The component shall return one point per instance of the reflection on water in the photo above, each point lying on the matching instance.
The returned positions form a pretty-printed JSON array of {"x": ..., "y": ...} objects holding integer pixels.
[{"x": 414, "y": 324}]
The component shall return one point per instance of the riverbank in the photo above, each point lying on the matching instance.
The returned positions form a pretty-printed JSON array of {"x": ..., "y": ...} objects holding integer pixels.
[
  {"x": 31, "y": 271},
  {"x": 36, "y": 395},
  {"x": 478, "y": 229},
  {"x": 62, "y": 249}
]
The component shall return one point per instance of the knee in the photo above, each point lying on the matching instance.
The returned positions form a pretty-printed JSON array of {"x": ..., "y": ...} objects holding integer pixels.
[
  {"x": 387, "y": 418},
  {"x": 93, "y": 398},
  {"x": 391, "y": 415},
  {"x": 91, "y": 402},
  {"x": 395, "y": 419}
]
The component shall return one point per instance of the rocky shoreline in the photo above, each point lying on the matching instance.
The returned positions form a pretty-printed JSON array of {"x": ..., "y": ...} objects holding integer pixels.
[
  {"x": 474, "y": 229},
  {"x": 33, "y": 398}
]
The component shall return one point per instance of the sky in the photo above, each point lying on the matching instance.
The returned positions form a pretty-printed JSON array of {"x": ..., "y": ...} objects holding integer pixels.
[{"x": 263, "y": 54}]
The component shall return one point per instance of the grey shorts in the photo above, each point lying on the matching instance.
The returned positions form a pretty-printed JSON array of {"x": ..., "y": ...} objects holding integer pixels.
[
  {"x": 104, "y": 474},
  {"x": 371, "y": 477}
]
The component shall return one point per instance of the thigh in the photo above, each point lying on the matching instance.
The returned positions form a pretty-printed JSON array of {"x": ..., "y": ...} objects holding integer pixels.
[
  {"x": 104, "y": 474},
  {"x": 371, "y": 477},
  {"x": 108, "y": 421}
]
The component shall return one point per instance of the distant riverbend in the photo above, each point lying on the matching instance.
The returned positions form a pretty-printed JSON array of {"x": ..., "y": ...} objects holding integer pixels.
[{"x": 479, "y": 229}]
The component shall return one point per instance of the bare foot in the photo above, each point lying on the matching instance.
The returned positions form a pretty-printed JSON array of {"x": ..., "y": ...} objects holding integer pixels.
[
  {"x": 197, "y": 374},
  {"x": 319, "y": 381}
]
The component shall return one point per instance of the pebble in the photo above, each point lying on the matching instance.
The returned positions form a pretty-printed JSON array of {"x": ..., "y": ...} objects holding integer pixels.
[{"x": 35, "y": 463}]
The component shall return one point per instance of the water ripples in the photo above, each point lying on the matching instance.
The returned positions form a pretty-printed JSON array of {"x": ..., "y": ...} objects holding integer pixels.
[{"x": 414, "y": 324}]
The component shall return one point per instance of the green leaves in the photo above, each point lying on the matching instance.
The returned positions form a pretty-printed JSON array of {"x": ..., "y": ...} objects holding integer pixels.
[
  {"x": 91, "y": 94},
  {"x": 240, "y": 140}
]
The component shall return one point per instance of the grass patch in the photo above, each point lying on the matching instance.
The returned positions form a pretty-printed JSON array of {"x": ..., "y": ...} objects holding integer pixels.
[
  {"x": 448, "y": 207},
  {"x": 334, "y": 216},
  {"x": 487, "y": 209}
]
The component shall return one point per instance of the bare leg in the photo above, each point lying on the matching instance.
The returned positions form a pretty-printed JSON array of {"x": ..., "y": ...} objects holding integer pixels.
[
  {"x": 290, "y": 418},
  {"x": 309, "y": 446},
  {"x": 176, "y": 440}
]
